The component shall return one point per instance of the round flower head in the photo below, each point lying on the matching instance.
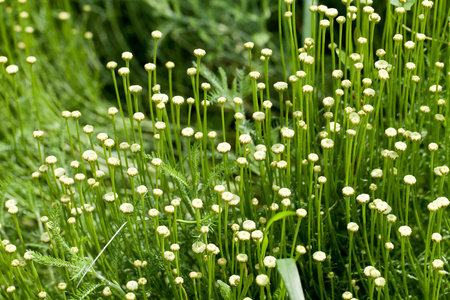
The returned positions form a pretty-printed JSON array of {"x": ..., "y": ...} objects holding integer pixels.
[
  {"x": 347, "y": 296},
  {"x": 238, "y": 116},
  {"x": 113, "y": 161},
  {"x": 288, "y": 133},
  {"x": 376, "y": 173},
  {"x": 157, "y": 34},
  {"x": 130, "y": 296},
  {"x": 162, "y": 230},
  {"x": 433, "y": 206},
  {"x": 227, "y": 196},
  {"x": 198, "y": 247},
  {"x": 242, "y": 258},
  {"x": 259, "y": 116},
  {"x": 188, "y": 132},
  {"x": 205, "y": 86},
  {"x": 277, "y": 148},
  {"x": 197, "y": 203},
  {"x": 245, "y": 139},
  {"x": 234, "y": 280},
  {"x": 254, "y": 74},
  {"x": 110, "y": 197},
  {"x": 301, "y": 212},
  {"x": 10, "y": 203},
  {"x": 219, "y": 189},
  {"x": 127, "y": 55},
  {"x": 442, "y": 201},
  {"x": 319, "y": 256},
  {"x": 249, "y": 45},
  {"x": 178, "y": 100},
  {"x": 88, "y": 129},
  {"x": 199, "y": 52},
  {"x": 235, "y": 201},
  {"x": 249, "y": 225},
  {"x": 436, "y": 237},
  {"x": 135, "y": 89},
  {"x": 328, "y": 101},
  {"x": 169, "y": 256},
  {"x": 438, "y": 264},
  {"x": 160, "y": 125},
  {"x": 405, "y": 231},
  {"x": 132, "y": 172},
  {"x": 12, "y": 69},
  {"x": 126, "y": 208},
  {"x": 198, "y": 135},
  {"x": 51, "y": 160},
  {"x": 102, "y": 137},
  {"x": 348, "y": 191},
  {"x": 270, "y": 262},
  {"x": 284, "y": 192},
  {"x": 262, "y": 280},
  {"x": 409, "y": 179},
  {"x": 10, "y": 248},
  {"x": 132, "y": 285},
  {"x": 257, "y": 235},
  {"x": 224, "y": 147},
  {"x": 352, "y": 227},
  {"x": 107, "y": 292},
  {"x": 112, "y": 111},
  {"x": 191, "y": 71},
  {"x": 111, "y": 65},
  {"x": 327, "y": 143},
  {"x": 170, "y": 65},
  {"x": 149, "y": 67},
  {"x": 141, "y": 190},
  {"x": 259, "y": 155},
  {"x": 280, "y": 86},
  {"x": 123, "y": 71},
  {"x": 433, "y": 146}
]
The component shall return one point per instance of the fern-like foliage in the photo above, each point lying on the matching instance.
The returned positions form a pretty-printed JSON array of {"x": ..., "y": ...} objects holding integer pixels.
[
  {"x": 240, "y": 86},
  {"x": 179, "y": 179},
  {"x": 172, "y": 172},
  {"x": 215, "y": 176},
  {"x": 54, "y": 262},
  {"x": 241, "y": 83},
  {"x": 85, "y": 290}
]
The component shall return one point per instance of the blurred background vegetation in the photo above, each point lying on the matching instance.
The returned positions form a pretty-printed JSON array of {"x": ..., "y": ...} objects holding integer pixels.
[{"x": 70, "y": 72}]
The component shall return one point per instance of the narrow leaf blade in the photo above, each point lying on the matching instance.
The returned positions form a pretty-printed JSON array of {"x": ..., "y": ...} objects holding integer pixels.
[{"x": 289, "y": 273}]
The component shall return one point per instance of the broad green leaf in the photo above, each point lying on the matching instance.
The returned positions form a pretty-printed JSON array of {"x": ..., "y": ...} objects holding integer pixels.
[
  {"x": 343, "y": 57},
  {"x": 225, "y": 290},
  {"x": 289, "y": 273},
  {"x": 407, "y": 5}
]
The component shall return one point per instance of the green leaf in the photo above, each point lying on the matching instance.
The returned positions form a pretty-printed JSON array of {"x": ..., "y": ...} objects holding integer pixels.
[
  {"x": 225, "y": 290},
  {"x": 278, "y": 216},
  {"x": 343, "y": 57},
  {"x": 53, "y": 262},
  {"x": 406, "y": 5},
  {"x": 247, "y": 283},
  {"x": 84, "y": 291},
  {"x": 289, "y": 273}
]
